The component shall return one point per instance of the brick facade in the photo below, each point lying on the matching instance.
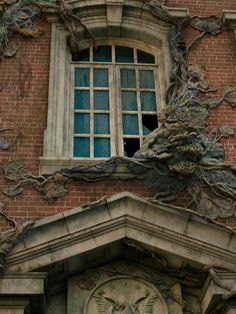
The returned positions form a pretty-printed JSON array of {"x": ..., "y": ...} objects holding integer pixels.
[{"x": 23, "y": 109}]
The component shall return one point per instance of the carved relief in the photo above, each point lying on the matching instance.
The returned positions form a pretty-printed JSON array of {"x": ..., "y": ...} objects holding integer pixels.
[
  {"x": 122, "y": 288},
  {"x": 125, "y": 295}
]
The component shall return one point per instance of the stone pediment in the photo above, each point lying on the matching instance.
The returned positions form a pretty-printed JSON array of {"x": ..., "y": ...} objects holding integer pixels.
[{"x": 160, "y": 228}]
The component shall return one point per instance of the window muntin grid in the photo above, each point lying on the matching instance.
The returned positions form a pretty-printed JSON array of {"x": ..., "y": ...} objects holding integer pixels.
[{"x": 115, "y": 96}]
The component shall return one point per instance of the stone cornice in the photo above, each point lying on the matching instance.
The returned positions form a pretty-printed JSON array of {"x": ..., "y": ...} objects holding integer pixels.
[{"x": 124, "y": 216}]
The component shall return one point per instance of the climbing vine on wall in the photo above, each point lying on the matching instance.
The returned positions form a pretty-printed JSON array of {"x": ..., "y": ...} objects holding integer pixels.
[
  {"x": 181, "y": 155},
  {"x": 22, "y": 17}
]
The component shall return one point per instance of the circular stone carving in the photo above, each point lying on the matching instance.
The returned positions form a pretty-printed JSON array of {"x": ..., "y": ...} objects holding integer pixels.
[{"x": 125, "y": 295}]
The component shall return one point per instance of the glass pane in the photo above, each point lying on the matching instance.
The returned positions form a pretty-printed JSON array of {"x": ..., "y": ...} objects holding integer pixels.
[
  {"x": 144, "y": 57},
  {"x": 82, "y": 77},
  {"x": 146, "y": 79},
  {"x": 101, "y": 100},
  {"x": 82, "y": 55},
  {"x": 102, "y": 54},
  {"x": 128, "y": 78},
  {"x": 124, "y": 54},
  {"x": 148, "y": 101},
  {"x": 101, "y": 123},
  {"x": 149, "y": 123},
  {"x": 81, "y": 147},
  {"x": 82, "y": 99},
  {"x": 102, "y": 147},
  {"x": 129, "y": 101},
  {"x": 82, "y": 123},
  {"x": 100, "y": 77},
  {"x": 130, "y": 124}
]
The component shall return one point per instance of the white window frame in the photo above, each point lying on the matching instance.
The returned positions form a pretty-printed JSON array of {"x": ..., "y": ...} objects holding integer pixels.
[{"x": 57, "y": 149}]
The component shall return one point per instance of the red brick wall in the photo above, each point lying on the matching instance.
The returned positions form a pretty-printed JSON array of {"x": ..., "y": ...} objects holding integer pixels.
[{"x": 23, "y": 107}]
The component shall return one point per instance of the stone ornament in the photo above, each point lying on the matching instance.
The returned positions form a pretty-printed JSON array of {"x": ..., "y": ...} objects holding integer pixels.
[
  {"x": 122, "y": 287},
  {"x": 125, "y": 295}
]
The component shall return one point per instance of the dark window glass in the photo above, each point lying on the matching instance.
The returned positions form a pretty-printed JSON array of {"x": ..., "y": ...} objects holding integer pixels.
[
  {"x": 149, "y": 123},
  {"x": 144, "y": 57},
  {"x": 131, "y": 145},
  {"x": 102, "y": 54},
  {"x": 81, "y": 147},
  {"x": 82, "y": 55},
  {"x": 124, "y": 54}
]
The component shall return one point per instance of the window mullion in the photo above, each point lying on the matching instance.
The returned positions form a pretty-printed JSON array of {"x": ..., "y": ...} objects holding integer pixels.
[
  {"x": 91, "y": 114},
  {"x": 139, "y": 107},
  {"x": 119, "y": 124}
]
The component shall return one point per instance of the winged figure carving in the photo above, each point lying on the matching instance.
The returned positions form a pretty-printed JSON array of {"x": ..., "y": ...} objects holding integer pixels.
[
  {"x": 109, "y": 305},
  {"x": 143, "y": 305}
]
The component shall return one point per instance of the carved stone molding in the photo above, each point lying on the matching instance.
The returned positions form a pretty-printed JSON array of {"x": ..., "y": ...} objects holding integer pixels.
[
  {"x": 114, "y": 16},
  {"x": 121, "y": 287},
  {"x": 16, "y": 290},
  {"x": 124, "y": 215},
  {"x": 229, "y": 18}
]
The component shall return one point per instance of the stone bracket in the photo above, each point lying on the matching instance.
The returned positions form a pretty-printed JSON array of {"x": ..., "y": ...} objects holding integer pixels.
[
  {"x": 212, "y": 293},
  {"x": 114, "y": 12},
  {"x": 229, "y": 18}
]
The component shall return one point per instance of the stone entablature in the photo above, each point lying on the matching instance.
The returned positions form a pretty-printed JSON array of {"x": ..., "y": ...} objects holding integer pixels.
[{"x": 172, "y": 237}]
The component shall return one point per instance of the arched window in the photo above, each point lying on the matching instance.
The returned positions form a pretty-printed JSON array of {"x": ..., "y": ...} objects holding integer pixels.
[
  {"x": 115, "y": 100},
  {"x": 105, "y": 102}
]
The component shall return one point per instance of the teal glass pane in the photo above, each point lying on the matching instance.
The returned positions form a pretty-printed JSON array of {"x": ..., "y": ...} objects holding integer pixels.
[
  {"x": 129, "y": 101},
  {"x": 130, "y": 124},
  {"x": 102, "y": 147},
  {"x": 102, "y": 54},
  {"x": 101, "y": 123},
  {"x": 148, "y": 101},
  {"x": 81, "y": 147},
  {"x": 124, "y": 54},
  {"x": 82, "y": 99},
  {"x": 146, "y": 78},
  {"x": 82, "y": 123},
  {"x": 82, "y": 77},
  {"x": 128, "y": 78},
  {"x": 100, "y": 77},
  {"x": 144, "y": 57},
  {"x": 101, "y": 100}
]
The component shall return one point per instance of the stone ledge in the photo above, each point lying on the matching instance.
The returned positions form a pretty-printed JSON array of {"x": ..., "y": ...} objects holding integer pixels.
[
  {"x": 229, "y": 18},
  {"x": 22, "y": 283}
]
